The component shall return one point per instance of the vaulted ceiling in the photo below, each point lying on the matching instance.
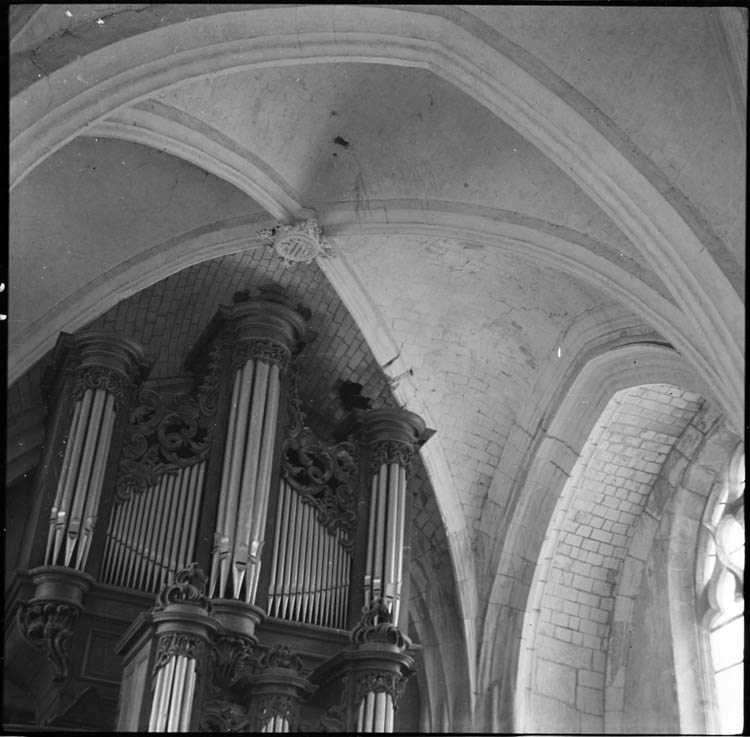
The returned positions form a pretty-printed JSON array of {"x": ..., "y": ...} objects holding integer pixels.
[{"x": 508, "y": 190}]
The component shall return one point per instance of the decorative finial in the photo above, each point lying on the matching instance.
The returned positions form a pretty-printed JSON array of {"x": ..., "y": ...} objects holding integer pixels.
[
  {"x": 376, "y": 625},
  {"x": 189, "y": 587}
]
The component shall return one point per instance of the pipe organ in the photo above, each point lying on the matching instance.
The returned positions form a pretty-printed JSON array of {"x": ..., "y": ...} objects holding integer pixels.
[{"x": 275, "y": 556}]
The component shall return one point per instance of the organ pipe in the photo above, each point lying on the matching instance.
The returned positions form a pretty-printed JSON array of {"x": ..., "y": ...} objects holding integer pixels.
[
  {"x": 310, "y": 565},
  {"x": 265, "y": 330},
  {"x": 107, "y": 366},
  {"x": 151, "y": 534}
]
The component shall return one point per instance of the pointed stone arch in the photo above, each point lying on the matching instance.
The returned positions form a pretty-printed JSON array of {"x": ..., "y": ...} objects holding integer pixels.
[{"x": 554, "y": 456}]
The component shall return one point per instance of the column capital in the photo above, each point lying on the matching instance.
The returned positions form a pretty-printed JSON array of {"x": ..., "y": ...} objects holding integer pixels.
[
  {"x": 266, "y": 326},
  {"x": 391, "y": 435},
  {"x": 278, "y": 687},
  {"x": 391, "y": 424},
  {"x": 107, "y": 361}
]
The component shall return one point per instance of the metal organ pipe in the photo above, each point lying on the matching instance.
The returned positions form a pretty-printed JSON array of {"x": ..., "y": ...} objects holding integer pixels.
[
  {"x": 180, "y": 529},
  {"x": 174, "y": 690},
  {"x": 389, "y": 713},
  {"x": 152, "y": 534},
  {"x": 184, "y": 725},
  {"x": 296, "y": 555},
  {"x": 380, "y": 709},
  {"x": 392, "y": 535},
  {"x": 147, "y": 528},
  {"x": 277, "y": 551},
  {"x": 265, "y": 471},
  {"x": 82, "y": 485},
  {"x": 249, "y": 483},
  {"x": 57, "y": 515},
  {"x": 289, "y": 567},
  {"x": 233, "y": 485},
  {"x": 302, "y": 571},
  {"x": 317, "y": 561},
  {"x": 265, "y": 332},
  {"x": 106, "y": 367},
  {"x": 71, "y": 463},
  {"x": 400, "y": 527},
  {"x": 164, "y": 492},
  {"x": 370, "y": 563},
  {"x": 310, "y": 565},
  {"x": 193, "y": 541},
  {"x": 221, "y": 541},
  {"x": 97, "y": 478}
]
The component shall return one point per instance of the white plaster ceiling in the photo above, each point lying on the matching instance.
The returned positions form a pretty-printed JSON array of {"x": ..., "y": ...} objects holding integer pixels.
[
  {"x": 408, "y": 135},
  {"x": 669, "y": 89},
  {"x": 352, "y": 139}
]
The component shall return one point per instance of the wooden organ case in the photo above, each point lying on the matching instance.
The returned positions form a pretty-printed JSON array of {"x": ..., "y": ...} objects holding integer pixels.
[{"x": 202, "y": 561}]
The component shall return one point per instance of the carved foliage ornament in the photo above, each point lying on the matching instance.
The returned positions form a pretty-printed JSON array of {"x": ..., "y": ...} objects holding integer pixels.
[
  {"x": 48, "y": 627},
  {"x": 173, "y": 644},
  {"x": 281, "y": 656},
  {"x": 222, "y": 715},
  {"x": 324, "y": 476},
  {"x": 99, "y": 377},
  {"x": 376, "y": 625},
  {"x": 189, "y": 587},
  {"x": 374, "y": 681},
  {"x": 228, "y": 656},
  {"x": 388, "y": 452},
  {"x": 161, "y": 438},
  {"x": 283, "y": 706},
  {"x": 208, "y": 390},
  {"x": 262, "y": 350}
]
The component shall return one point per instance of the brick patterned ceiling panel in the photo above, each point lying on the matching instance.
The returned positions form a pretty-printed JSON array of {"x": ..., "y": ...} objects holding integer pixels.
[{"x": 169, "y": 316}]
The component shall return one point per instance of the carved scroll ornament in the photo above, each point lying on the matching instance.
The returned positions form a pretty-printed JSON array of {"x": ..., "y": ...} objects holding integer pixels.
[
  {"x": 376, "y": 625},
  {"x": 375, "y": 681},
  {"x": 227, "y": 657},
  {"x": 47, "y": 626},
  {"x": 189, "y": 587},
  {"x": 160, "y": 439},
  {"x": 388, "y": 452},
  {"x": 100, "y": 377},
  {"x": 262, "y": 350},
  {"x": 283, "y": 706},
  {"x": 223, "y": 715},
  {"x": 207, "y": 397},
  {"x": 281, "y": 656},
  {"x": 176, "y": 644},
  {"x": 325, "y": 476}
]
